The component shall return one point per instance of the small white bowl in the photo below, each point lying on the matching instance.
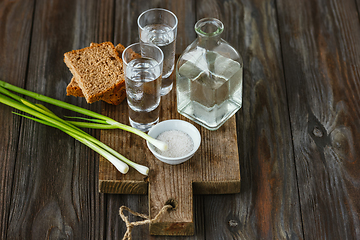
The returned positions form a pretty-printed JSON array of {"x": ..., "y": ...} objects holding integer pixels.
[{"x": 179, "y": 125}]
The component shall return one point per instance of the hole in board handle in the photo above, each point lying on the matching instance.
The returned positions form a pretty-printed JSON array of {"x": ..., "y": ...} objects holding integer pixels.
[{"x": 173, "y": 203}]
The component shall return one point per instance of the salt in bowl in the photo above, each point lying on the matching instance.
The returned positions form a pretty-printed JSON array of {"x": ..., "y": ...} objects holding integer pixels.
[{"x": 179, "y": 125}]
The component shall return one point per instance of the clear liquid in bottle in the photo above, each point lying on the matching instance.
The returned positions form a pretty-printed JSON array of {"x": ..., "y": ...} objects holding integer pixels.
[{"x": 209, "y": 85}]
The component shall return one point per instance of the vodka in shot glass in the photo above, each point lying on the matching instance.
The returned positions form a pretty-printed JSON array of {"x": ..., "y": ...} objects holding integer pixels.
[{"x": 159, "y": 26}]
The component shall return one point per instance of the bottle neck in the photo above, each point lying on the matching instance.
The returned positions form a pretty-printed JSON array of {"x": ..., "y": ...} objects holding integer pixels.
[
  {"x": 208, "y": 42},
  {"x": 209, "y": 32}
]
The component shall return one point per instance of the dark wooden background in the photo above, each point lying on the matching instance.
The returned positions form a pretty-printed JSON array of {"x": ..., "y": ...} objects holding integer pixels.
[{"x": 298, "y": 130}]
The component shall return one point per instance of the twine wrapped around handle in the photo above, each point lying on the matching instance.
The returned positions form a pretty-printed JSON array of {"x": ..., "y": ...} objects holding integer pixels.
[{"x": 130, "y": 225}]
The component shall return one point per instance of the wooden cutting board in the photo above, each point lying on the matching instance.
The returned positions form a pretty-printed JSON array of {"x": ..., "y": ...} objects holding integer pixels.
[{"x": 214, "y": 169}]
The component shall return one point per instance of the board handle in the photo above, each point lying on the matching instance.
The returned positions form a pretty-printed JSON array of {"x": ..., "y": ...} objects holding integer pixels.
[{"x": 178, "y": 221}]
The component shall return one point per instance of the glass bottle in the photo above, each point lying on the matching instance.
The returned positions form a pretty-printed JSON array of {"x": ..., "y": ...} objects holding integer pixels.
[{"x": 209, "y": 76}]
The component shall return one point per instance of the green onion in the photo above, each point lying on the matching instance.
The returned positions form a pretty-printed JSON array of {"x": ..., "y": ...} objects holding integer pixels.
[
  {"x": 91, "y": 120},
  {"x": 47, "y": 117},
  {"x": 92, "y": 125},
  {"x": 107, "y": 121},
  {"x": 118, "y": 164}
]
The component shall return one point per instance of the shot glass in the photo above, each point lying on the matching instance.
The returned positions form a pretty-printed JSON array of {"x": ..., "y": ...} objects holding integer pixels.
[
  {"x": 143, "y": 65},
  {"x": 159, "y": 26}
]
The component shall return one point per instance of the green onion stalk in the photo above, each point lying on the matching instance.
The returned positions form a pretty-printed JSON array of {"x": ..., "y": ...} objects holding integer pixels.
[
  {"x": 99, "y": 122},
  {"x": 119, "y": 165},
  {"x": 52, "y": 121},
  {"x": 45, "y": 116}
]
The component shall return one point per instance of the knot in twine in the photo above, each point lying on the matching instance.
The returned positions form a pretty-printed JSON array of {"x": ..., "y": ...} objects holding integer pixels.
[{"x": 130, "y": 225}]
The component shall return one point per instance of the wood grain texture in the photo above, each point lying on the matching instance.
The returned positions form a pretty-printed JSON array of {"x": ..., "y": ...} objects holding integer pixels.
[
  {"x": 54, "y": 193},
  {"x": 14, "y": 50},
  {"x": 298, "y": 130},
  {"x": 322, "y": 59},
  {"x": 268, "y": 205}
]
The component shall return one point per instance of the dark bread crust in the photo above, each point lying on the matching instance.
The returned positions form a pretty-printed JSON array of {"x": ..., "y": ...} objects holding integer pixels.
[
  {"x": 115, "y": 97},
  {"x": 73, "y": 89}
]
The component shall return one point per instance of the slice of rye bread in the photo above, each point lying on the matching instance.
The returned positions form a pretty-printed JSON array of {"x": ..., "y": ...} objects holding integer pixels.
[
  {"x": 115, "y": 97},
  {"x": 97, "y": 69}
]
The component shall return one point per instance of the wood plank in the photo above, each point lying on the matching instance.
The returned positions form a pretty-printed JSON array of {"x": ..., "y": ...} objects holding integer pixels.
[
  {"x": 14, "y": 50},
  {"x": 55, "y": 190},
  {"x": 268, "y": 205},
  {"x": 321, "y": 62}
]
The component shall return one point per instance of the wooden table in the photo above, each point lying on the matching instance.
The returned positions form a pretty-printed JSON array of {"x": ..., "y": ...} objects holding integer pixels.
[{"x": 298, "y": 130}]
